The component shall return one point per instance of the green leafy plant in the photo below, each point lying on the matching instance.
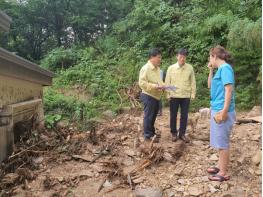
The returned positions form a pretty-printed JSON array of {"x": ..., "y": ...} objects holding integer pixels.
[{"x": 51, "y": 120}]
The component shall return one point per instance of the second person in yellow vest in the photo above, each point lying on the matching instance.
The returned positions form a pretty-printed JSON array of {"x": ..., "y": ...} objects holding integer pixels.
[{"x": 181, "y": 75}]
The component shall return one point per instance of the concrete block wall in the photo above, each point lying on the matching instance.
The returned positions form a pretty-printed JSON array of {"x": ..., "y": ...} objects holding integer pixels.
[
  {"x": 19, "y": 100},
  {"x": 14, "y": 90}
]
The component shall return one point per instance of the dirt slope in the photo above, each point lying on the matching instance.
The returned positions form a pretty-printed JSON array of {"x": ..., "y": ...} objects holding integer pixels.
[{"x": 173, "y": 169}]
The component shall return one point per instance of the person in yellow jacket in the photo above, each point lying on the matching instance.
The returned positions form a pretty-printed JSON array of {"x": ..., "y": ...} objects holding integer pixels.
[
  {"x": 181, "y": 76},
  {"x": 152, "y": 87}
]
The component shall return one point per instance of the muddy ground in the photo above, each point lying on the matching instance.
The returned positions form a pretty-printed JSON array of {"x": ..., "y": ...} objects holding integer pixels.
[{"x": 111, "y": 159}]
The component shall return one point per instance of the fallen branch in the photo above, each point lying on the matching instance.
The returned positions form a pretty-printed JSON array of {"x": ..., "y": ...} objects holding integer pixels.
[
  {"x": 80, "y": 157},
  {"x": 114, "y": 187},
  {"x": 105, "y": 151},
  {"x": 25, "y": 150},
  {"x": 111, "y": 174}
]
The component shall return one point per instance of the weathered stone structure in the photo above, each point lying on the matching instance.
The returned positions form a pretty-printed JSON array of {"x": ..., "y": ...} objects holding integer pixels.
[{"x": 21, "y": 92}]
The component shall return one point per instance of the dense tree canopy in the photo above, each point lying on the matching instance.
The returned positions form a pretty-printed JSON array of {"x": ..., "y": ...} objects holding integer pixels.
[{"x": 41, "y": 25}]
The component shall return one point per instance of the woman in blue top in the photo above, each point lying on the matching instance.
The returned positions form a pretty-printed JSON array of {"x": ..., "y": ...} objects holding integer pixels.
[{"x": 222, "y": 109}]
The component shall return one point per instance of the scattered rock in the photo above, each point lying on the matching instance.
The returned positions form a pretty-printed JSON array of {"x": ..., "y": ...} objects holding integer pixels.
[
  {"x": 60, "y": 179},
  {"x": 203, "y": 126},
  {"x": 194, "y": 190},
  {"x": 148, "y": 192},
  {"x": 189, "y": 169},
  {"x": 204, "y": 113},
  {"x": 255, "y": 137},
  {"x": 168, "y": 157},
  {"x": 259, "y": 170},
  {"x": 216, "y": 184},
  {"x": 180, "y": 189},
  {"x": 204, "y": 178},
  {"x": 178, "y": 171},
  {"x": 62, "y": 124},
  {"x": 87, "y": 173},
  {"x": 98, "y": 168},
  {"x": 128, "y": 161},
  {"x": 212, "y": 189},
  {"x": 107, "y": 184},
  {"x": 240, "y": 160},
  {"x": 227, "y": 194},
  {"x": 257, "y": 158},
  {"x": 178, "y": 149},
  {"x": 170, "y": 193},
  {"x": 130, "y": 152},
  {"x": 224, "y": 186},
  {"x": 238, "y": 191},
  {"x": 214, "y": 157},
  {"x": 197, "y": 143},
  {"x": 123, "y": 138},
  {"x": 181, "y": 181},
  {"x": 251, "y": 171}
]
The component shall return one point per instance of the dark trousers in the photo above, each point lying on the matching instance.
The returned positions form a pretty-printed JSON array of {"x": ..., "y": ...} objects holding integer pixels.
[
  {"x": 175, "y": 103},
  {"x": 151, "y": 107}
]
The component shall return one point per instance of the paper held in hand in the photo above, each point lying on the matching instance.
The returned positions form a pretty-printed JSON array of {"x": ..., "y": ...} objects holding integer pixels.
[{"x": 170, "y": 88}]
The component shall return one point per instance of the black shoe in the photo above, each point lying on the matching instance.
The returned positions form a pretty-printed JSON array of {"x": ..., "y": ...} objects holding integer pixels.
[
  {"x": 185, "y": 139},
  {"x": 174, "y": 137}
]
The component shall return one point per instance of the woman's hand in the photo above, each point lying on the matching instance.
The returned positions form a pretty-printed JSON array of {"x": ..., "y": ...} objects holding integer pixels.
[
  {"x": 221, "y": 116},
  {"x": 210, "y": 66},
  {"x": 210, "y": 76}
]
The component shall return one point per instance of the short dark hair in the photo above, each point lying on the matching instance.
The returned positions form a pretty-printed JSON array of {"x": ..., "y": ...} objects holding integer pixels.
[
  {"x": 154, "y": 52},
  {"x": 182, "y": 51}
]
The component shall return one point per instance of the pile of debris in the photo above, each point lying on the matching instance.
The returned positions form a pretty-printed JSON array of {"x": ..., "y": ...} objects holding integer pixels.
[
  {"x": 111, "y": 156},
  {"x": 115, "y": 143}
]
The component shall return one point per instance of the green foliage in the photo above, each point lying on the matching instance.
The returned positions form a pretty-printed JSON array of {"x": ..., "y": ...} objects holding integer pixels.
[
  {"x": 113, "y": 37},
  {"x": 39, "y": 26},
  {"x": 244, "y": 41},
  {"x": 114, "y": 60},
  {"x": 245, "y": 34},
  {"x": 51, "y": 120},
  {"x": 248, "y": 96},
  {"x": 60, "y": 58},
  {"x": 57, "y": 103}
]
